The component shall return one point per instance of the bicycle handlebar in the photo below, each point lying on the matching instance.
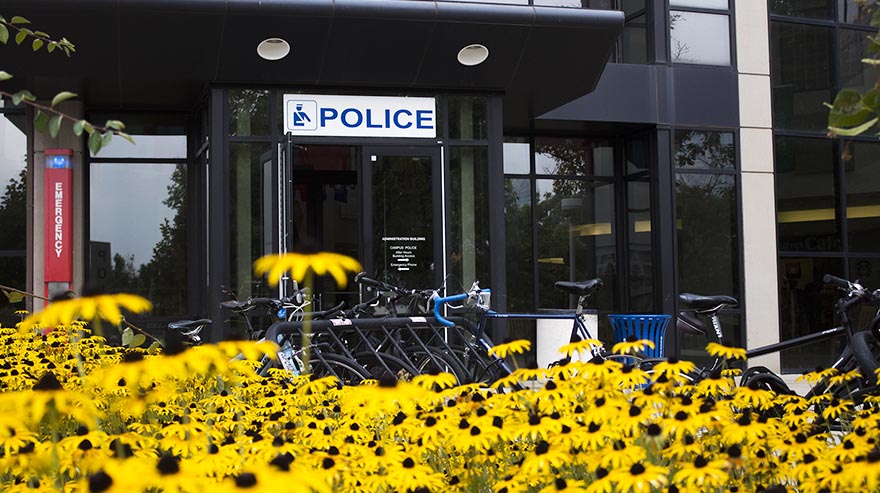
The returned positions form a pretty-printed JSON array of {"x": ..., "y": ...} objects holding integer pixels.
[
  {"x": 438, "y": 302},
  {"x": 836, "y": 281}
]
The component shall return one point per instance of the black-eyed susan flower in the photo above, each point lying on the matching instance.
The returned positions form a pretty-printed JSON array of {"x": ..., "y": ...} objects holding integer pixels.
[
  {"x": 628, "y": 347},
  {"x": 299, "y": 264},
  {"x": 640, "y": 477},
  {"x": 725, "y": 352},
  {"x": 504, "y": 350},
  {"x": 702, "y": 474},
  {"x": 107, "y": 307}
]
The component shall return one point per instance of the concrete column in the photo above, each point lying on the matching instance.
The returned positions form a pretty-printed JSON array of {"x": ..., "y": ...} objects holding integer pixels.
[
  {"x": 65, "y": 139},
  {"x": 760, "y": 286}
]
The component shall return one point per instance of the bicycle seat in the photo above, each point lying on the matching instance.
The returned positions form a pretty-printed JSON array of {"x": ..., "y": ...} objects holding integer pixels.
[
  {"x": 700, "y": 302},
  {"x": 233, "y": 305},
  {"x": 188, "y": 324},
  {"x": 584, "y": 288}
]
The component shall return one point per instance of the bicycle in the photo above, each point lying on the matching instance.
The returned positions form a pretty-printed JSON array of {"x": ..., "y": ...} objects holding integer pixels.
[
  {"x": 477, "y": 365},
  {"x": 861, "y": 351}
]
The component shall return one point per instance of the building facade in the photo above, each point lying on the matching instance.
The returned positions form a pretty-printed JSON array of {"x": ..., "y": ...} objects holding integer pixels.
[{"x": 665, "y": 146}]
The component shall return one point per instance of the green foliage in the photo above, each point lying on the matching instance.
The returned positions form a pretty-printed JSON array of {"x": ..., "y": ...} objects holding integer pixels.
[
  {"x": 852, "y": 112},
  {"x": 99, "y": 137}
]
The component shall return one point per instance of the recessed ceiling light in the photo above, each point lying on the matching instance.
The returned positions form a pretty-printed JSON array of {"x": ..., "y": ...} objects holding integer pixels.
[
  {"x": 474, "y": 54},
  {"x": 273, "y": 49}
]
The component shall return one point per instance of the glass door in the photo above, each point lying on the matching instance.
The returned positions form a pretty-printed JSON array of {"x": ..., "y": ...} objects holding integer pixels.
[{"x": 402, "y": 216}]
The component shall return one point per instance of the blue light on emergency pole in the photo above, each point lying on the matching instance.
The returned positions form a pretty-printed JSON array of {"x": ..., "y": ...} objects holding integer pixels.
[{"x": 61, "y": 162}]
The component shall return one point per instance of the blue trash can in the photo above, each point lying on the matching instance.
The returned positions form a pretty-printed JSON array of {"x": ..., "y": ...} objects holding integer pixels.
[{"x": 650, "y": 327}]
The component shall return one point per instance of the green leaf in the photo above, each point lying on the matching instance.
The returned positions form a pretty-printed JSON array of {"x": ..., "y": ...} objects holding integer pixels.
[
  {"x": 13, "y": 296},
  {"x": 78, "y": 127},
  {"x": 94, "y": 143},
  {"x": 871, "y": 61},
  {"x": 852, "y": 132},
  {"x": 5, "y": 75},
  {"x": 51, "y": 47},
  {"x": 55, "y": 125},
  {"x": 127, "y": 336},
  {"x": 41, "y": 34},
  {"x": 848, "y": 110},
  {"x": 41, "y": 121},
  {"x": 4, "y": 34},
  {"x": 20, "y": 37},
  {"x": 18, "y": 97},
  {"x": 106, "y": 138},
  {"x": 19, "y": 20},
  {"x": 88, "y": 127},
  {"x": 115, "y": 125},
  {"x": 37, "y": 44},
  {"x": 871, "y": 100},
  {"x": 62, "y": 96},
  {"x": 126, "y": 137}
]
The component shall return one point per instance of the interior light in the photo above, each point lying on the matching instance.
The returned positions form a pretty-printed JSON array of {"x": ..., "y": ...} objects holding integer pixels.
[
  {"x": 273, "y": 49},
  {"x": 474, "y": 54}
]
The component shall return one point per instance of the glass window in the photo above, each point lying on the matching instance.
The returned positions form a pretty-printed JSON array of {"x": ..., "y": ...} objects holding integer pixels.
[
  {"x": 517, "y": 157},
  {"x": 708, "y": 237},
  {"x": 138, "y": 232},
  {"x": 640, "y": 253},
  {"x": 467, "y": 118},
  {"x": 699, "y": 38},
  {"x": 802, "y": 75},
  {"x": 469, "y": 222},
  {"x": 13, "y": 212},
  {"x": 704, "y": 149},
  {"x": 573, "y": 157},
  {"x": 863, "y": 197},
  {"x": 813, "y": 9},
  {"x": 854, "y": 74},
  {"x": 250, "y": 207},
  {"x": 518, "y": 224},
  {"x": 807, "y": 306},
  {"x": 630, "y": 7},
  {"x": 702, "y": 4},
  {"x": 853, "y": 12},
  {"x": 146, "y": 146},
  {"x": 249, "y": 112},
  {"x": 634, "y": 40},
  {"x": 806, "y": 195},
  {"x": 576, "y": 238}
]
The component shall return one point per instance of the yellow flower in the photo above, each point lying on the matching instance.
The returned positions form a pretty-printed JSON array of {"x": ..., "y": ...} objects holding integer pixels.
[
  {"x": 630, "y": 347},
  {"x": 586, "y": 346},
  {"x": 106, "y": 306},
  {"x": 300, "y": 263},
  {"x": 725, "y": 352},
  {"x": 518, "y": 346}
]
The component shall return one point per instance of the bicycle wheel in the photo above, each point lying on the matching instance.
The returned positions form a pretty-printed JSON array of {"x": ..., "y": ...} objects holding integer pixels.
[
  {"x": 348, "y": 372},
  {"x": 380, "y": 365},
  {"x": 435, "y": 361},
  {"x": 866, "y": 350}
]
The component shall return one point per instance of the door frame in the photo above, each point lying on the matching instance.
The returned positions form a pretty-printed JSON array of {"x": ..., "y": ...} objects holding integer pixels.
[{"x": 438, "y": 199}]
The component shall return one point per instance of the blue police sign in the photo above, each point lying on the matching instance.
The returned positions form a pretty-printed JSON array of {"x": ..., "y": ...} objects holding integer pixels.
[{"x": 359, "y": 116}]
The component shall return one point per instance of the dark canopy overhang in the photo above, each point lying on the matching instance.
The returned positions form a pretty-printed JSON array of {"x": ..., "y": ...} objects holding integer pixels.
[{"x": 161, "y": 54}]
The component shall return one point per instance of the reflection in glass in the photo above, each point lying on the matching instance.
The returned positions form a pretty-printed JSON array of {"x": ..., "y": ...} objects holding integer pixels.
[
  {"x": 630, "y": 7},
  {"x": 853, "y": 12},
  {"x": 640, "y": 254},
  {"x": 516, "y": 157},
  {"x": 138, "y": 243},
  {"x": 573, "y": 157},
  {"x": 467, "y": 118},
  {"x": 806, "y": 195},
  {"x": 813, "y": 9},
  {"x": 702, "y": 4},
  {"x": 634, "y": 40},
  {"x": 249, "y": 112},
  {"x": 13, "y": 211},
  {"x": 636, "y": 154},
  {"x": 863, "y": 197},
  {"x": 853, "y": 73},
  {"x": 146, "y": 146},
  {"x": 518, "y": 229},
  {"x": 576, "y": 239},
  {"x": 807, "y": 306},
  {"x": 468, "y": 193},
  {"x": 708, "y": 239},
  {"x": 699, "y": 38},
  {"x": 403, "y": 239},
  {"x": 802, "y": 75},
  {"x": 251, "y": 215},
  {"x": 704, "y": 149}
]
